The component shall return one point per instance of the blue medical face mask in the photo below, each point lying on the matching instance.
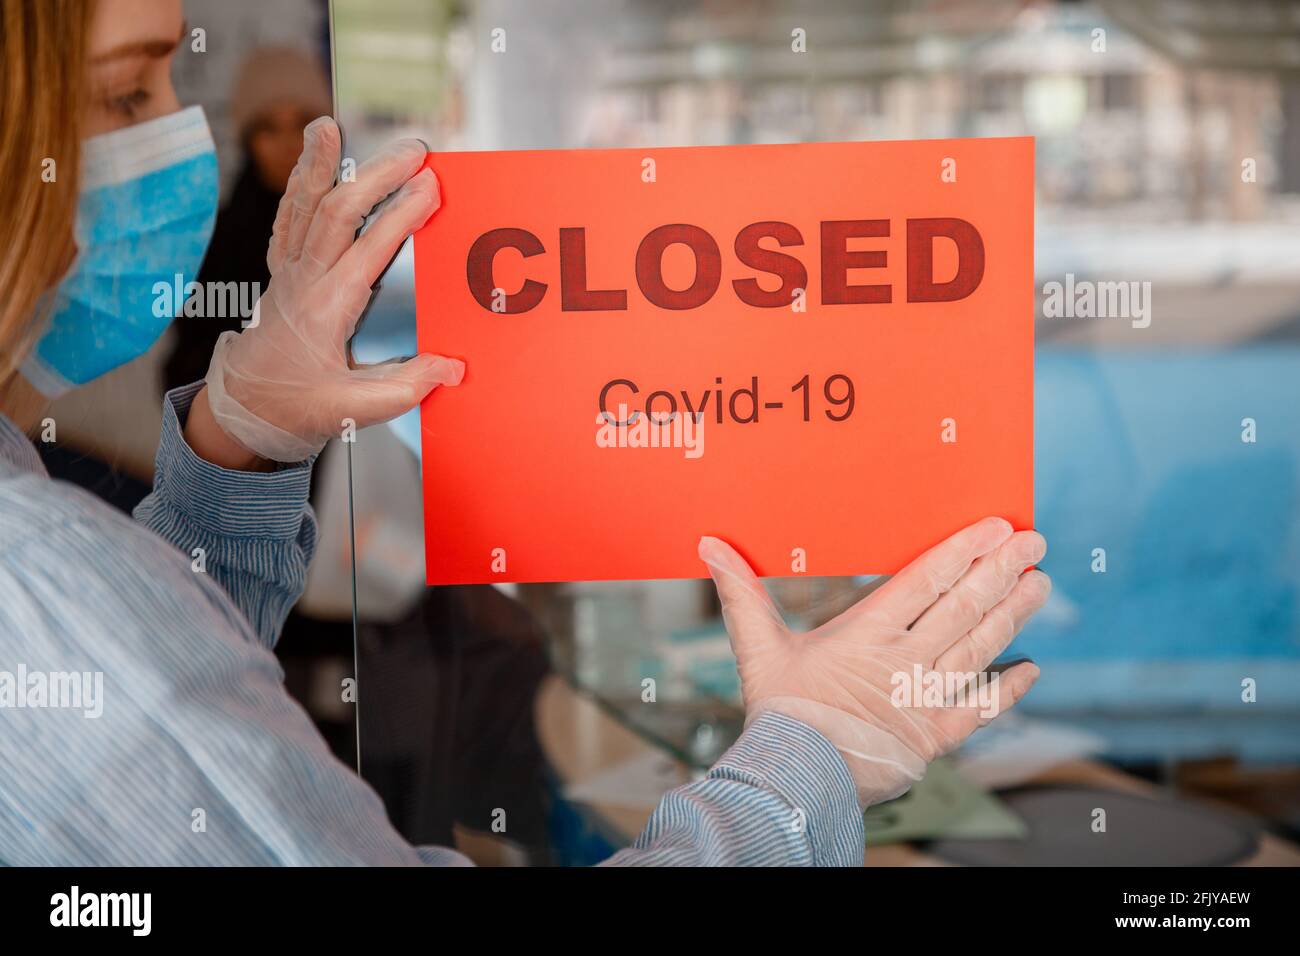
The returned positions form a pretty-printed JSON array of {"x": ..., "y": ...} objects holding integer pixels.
[{"x": 144, "y": 217}]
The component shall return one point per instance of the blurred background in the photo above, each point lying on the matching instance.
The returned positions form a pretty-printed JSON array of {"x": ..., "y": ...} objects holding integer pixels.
[{"x": 540, "y": 723}]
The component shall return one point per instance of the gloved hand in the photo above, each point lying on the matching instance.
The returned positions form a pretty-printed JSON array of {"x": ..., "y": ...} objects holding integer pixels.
[
  {"x": 283, "y": 386},
  {"x": 949, "y": 612}
]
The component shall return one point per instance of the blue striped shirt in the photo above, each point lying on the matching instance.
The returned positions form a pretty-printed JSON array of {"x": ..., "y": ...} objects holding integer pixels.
[{"x": 198, "y": 755}]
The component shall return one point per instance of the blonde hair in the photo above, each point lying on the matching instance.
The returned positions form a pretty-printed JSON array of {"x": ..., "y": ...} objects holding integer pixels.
[{"x": 43, "y": 49}]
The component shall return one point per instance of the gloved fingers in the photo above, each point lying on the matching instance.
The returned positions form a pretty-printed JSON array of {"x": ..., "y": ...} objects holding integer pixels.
[
  {"x": 989, "y": 580},
  {"x": 954, "y": 724},
  {"x": 998, "y": 628},
  {"x": 752, "y": 619},
  {"x": 342, "y": 212},
  {"x": 352, "y": 279},
  {"x": 310, "y": 181},
  {"x": 906, "y": 596},
  {"x": 362, "y": 265},
  {"x": 377, "y": 393}
]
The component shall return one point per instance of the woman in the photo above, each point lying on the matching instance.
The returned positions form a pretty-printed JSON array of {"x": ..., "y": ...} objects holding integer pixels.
[{"x": 144, "y": 719}]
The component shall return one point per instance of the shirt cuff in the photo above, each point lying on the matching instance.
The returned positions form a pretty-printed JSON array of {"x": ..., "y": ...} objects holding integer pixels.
[
  {"x": 796, "y": 762},
  {"x": 222, "y": 501}
]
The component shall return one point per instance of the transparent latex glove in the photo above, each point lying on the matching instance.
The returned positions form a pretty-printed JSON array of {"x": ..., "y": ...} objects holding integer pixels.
[
  {"x": 284, "y": 386},
  {"x": 945, "y": 616}
]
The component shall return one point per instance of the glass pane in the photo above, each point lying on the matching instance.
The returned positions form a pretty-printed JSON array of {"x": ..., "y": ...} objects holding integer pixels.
[{"x": 1172, "y": 533}]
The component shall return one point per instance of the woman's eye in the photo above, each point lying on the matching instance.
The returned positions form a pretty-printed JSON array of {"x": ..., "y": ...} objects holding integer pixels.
[{"x": 129, "y": 103}]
